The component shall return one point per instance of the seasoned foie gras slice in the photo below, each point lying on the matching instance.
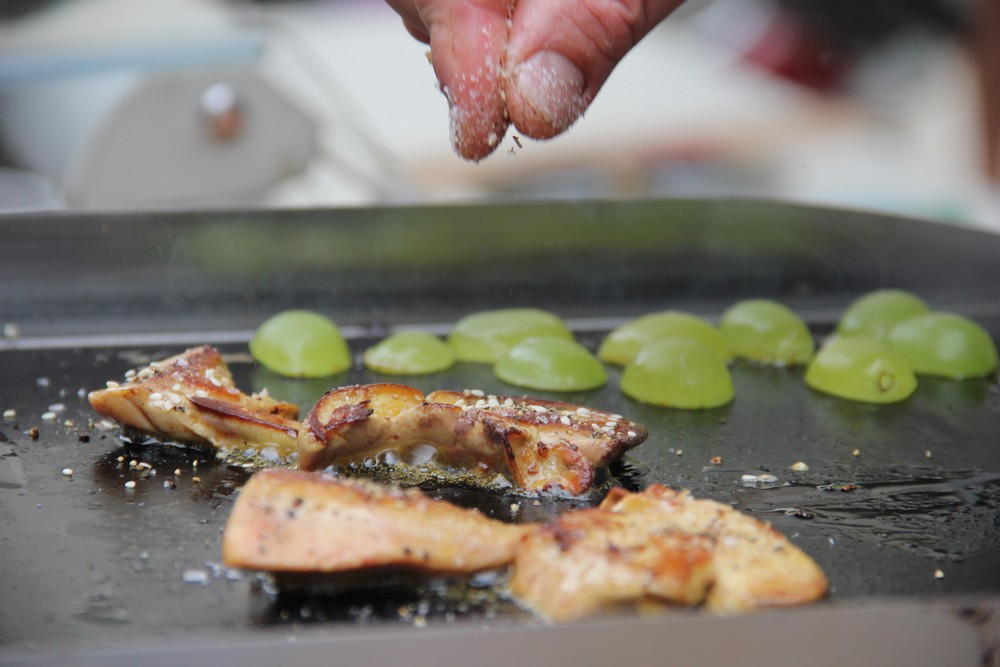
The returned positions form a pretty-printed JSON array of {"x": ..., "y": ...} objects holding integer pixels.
[
  {"x": 754, "y": 566},
  {"x": 295, "y": 522},
  {"x": 191, "y": 397},
  {"x": 660, "y": 546},
  {"x": 593, "y": 560},
  {"x": 541, "y": 446},
  {"x": 600, "y": 437}
]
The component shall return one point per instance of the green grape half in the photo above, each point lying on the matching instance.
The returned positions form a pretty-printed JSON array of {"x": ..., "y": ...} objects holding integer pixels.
[
  {"x": 551, "y": 363},
  {"x": 622, "y": 344},
  {"x": 860, "y": 368},
  {"x": 301, "y": 343},
  {"x": 767, "y": 332},
  {"x": 946, "y": 345},
  {"x": 486, "y": 336},
  {"x": 876, "y": 313},
  {"x": 410, "y": 353},
  {"x": 678, "y": 373}
]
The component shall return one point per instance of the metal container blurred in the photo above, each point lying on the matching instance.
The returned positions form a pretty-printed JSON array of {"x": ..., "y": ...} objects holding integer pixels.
[{"x": 144, "y": 115}]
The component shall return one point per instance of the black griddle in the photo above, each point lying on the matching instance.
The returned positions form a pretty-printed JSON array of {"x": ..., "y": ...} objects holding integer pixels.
[{"x": 900, "y": 504}]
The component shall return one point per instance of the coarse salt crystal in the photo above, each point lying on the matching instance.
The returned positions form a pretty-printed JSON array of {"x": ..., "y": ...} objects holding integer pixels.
[{"x": 195, "y": 576}]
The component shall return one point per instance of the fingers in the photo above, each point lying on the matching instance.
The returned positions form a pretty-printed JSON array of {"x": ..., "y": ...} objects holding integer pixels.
[
  {"x": 535, "y": 63},
  {"x": 414, "y": 25},
  {"x": 561, "y": 52}
]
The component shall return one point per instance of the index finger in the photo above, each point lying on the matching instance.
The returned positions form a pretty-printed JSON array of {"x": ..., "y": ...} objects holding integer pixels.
[{"x": 468, "y": 43}]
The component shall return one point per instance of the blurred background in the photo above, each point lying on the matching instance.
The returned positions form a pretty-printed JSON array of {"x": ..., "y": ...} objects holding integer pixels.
[{"x": 888, "y": 105}]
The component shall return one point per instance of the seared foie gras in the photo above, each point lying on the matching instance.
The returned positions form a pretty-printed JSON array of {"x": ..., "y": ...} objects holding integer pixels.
[
  {"x": 661, "y": 546},
  {"x": 542, "y": 446},
  {"x": 192, "y": 398},
  {"x": 293, "y": 522}
]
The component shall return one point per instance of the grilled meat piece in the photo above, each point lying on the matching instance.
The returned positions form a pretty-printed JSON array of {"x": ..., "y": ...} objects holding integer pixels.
[
  {"x": 660, "y": 546},
  {"x": 292, "y": 522},
  {"x": 191, "y": 397},
  {"x": 542, "y": 446}
]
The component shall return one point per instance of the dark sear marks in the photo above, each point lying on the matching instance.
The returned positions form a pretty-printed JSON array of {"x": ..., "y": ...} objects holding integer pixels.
[
  {"x": 539, "y": 446},
  {"x": 542, "y": 446}
]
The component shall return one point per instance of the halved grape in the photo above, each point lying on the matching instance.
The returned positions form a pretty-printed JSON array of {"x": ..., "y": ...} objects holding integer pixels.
[
  {"x": 861, "y": 369},
  {"x": 945, "y": 344},
  {"x": 410, "y": 353},
  {"x": 678, "y": 373},
  {"x": 876, "y": 313},
  {"x": 486, "y": 336},
  {"x": 622, "y": 344},
  {"x": 551, "y": 363},
  {"x": 768, "y": 332},
  {"x": 301, "y": 343}
]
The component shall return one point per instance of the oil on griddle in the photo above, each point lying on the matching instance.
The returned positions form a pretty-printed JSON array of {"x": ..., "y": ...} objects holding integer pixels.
[{"x": 112, "y": 535}]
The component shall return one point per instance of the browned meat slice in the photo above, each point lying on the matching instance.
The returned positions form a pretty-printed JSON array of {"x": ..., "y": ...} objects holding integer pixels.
[
  {"x": 540, "y": 445},
  {"x": 191, "y": 397},
  {"x": 292, "y": 522},
  {"x": 660, "y": 546}
]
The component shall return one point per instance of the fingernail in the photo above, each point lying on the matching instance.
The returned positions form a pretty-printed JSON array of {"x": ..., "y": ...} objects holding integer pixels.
[
  {"x": 476, "y": 129},
  {"x": 552, "y": 87}
]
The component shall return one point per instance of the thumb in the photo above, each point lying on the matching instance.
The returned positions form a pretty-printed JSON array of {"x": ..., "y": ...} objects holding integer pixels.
[{"x": 560, "y": 53}]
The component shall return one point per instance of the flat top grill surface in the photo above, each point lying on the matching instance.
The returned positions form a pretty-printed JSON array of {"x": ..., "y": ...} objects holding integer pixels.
[{"x": 899, "y": 502}]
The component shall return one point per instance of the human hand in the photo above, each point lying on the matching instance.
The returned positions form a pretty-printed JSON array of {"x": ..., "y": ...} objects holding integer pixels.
[{"x": 536, "y": 64}]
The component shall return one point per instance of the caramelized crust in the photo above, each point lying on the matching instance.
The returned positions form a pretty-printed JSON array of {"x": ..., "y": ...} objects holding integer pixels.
[
  {"x": 594, "y": 559},
  {"x": 540, "y": 445},
  {"x": 754, "y": 566},
  {"x": 191, "y": 397},
  {"x": 286, "y": 521},
  {"x": 660, "y": 545}
]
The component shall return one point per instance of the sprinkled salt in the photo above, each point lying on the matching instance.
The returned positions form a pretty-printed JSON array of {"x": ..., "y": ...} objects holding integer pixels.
[{"x": 195, "y": 576}]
